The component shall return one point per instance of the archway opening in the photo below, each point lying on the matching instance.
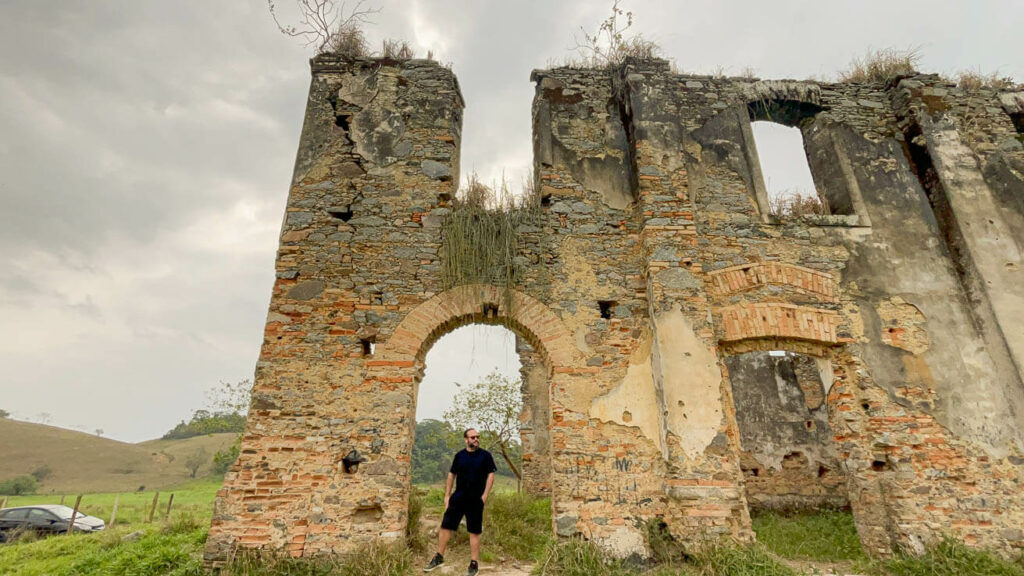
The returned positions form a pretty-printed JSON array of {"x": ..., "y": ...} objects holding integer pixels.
[
  {"x": 482, "y": 372},
  {"x": 458, "y": 369}
]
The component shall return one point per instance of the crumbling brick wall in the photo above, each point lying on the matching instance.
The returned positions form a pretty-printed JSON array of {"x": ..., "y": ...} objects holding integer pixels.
[{"x": 654, "y": 266}]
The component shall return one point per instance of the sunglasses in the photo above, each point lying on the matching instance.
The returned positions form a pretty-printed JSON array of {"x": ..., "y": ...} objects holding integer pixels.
[{"x": 472, "y": 437}]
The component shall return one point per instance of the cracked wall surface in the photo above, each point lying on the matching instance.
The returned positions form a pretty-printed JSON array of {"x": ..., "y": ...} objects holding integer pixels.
[{"x": 653, "y": 281}]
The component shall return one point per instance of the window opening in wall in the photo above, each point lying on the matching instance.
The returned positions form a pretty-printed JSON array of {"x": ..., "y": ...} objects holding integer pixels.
[
  {"x": 369, "y": 346},
  {"x": 1018, "y": 123},
  {"x": 605, "y": 306},
  {"x": 787, "y": 174}
]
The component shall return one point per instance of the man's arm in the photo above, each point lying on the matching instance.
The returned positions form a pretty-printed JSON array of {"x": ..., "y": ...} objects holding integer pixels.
[
  {"x": 487, "y": 488},
  {"x": 448, "y": 488}
]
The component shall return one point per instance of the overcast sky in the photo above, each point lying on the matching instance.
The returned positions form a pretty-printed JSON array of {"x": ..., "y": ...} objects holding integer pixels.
[{"x": 146, "y": 150}]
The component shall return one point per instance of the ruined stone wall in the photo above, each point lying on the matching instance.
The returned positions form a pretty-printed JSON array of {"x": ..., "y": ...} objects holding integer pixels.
[
  {"x": 534, "y": 421},
  {"x": 653, "y": 270}
]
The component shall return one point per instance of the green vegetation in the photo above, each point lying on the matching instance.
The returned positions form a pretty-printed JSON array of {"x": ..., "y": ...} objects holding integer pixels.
[
  {"x": 492, "y": 405},
  {"x": 479, "y": 237},
  {"x": 518, "y": 525},
  {"x": 163, "y": 548},
  {"x": 223, "y": 459},
  {"x": 205, "y": 422},
  {"x": 436, "y": 443},
  {"x": 18, "y": 485},
  {"x": 952, "y": 558},
  {"x": 517, "y": 528},
  {"x": 825, "y": 536}
]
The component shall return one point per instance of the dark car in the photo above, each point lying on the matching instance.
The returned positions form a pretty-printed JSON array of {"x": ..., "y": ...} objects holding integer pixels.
[{"x": 45, "y": 519}]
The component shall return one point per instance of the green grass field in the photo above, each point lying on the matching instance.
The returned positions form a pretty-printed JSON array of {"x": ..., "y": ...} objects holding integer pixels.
[
  {"x": 517, "y": 529},
  {"x": 172, "y": 548}
]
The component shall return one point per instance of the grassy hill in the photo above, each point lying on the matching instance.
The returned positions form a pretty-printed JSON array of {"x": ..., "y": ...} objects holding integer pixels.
[{"x": 86, "y": 463}]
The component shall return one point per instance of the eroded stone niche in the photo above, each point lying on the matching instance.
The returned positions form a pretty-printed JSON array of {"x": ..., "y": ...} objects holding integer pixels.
[{"x": 788, "y": 456}]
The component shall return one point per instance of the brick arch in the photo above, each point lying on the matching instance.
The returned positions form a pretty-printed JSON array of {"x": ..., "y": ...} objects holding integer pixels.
[
  {"x": 774, "y": 320},
  {"x": 805, "y": 347},
  {"x": 480, "y": 303}
]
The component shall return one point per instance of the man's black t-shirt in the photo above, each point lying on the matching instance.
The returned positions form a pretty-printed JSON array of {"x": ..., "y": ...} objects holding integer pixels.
[{"x": 471, "y": 470}]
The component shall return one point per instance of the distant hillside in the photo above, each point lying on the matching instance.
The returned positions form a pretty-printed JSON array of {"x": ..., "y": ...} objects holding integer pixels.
[{"x": 86, "y": 463}]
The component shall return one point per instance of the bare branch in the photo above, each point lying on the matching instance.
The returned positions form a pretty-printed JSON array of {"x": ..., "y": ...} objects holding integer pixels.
[{"x": 328, "y": 25}]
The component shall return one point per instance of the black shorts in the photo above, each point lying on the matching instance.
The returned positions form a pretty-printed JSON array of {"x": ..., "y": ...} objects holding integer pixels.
[{"x": 469, "y": 506}]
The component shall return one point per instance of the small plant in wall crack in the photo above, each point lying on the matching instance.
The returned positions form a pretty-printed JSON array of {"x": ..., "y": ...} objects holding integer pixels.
[{"x": 610, "y": 45}]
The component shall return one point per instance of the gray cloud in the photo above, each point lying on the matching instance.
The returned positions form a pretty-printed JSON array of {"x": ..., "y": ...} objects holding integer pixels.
[{"x": 147, "y": 148}]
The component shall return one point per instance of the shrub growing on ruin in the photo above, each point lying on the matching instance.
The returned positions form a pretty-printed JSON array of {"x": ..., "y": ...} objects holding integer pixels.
[
  {"x": 611, "y": 45},
  {"x": 882, "y": 65},
  {"x": 480, "y": 240},
  {"x": 328, "y": 25},
  {"x": 791, "y": 204}
]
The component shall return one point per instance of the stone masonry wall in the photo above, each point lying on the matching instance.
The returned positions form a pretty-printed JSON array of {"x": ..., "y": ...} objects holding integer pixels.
[{"x": 654, "y": 269}]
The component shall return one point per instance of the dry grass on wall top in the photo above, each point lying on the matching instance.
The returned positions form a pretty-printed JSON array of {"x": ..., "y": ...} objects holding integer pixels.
[
  {"x": 882, "y": 65},
  {"x": 480, "y": 236}
]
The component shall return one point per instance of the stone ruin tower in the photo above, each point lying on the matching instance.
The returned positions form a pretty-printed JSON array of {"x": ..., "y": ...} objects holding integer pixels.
[{"x": 687, "y": 354}]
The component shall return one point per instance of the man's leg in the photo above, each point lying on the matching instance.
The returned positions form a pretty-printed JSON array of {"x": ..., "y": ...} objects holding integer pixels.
[
  {"x": 444, "y": 535},
  {"x": 474, "y": 547}
]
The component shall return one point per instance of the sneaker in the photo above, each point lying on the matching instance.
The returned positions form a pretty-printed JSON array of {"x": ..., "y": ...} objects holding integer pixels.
[
  {"x": 436, "y": 561},
  {"x": 473, "y": 568}
]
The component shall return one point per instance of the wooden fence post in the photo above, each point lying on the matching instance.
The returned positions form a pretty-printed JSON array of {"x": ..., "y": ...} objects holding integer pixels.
[
  {"x": 3, "y": 503},
  {"x": 113, "y": 513},
  {"x": 74, "y": 514},
  {"x": 167, "y": 516},
  {"x": 152, "y": 510},
  {"x": 62, "y": 499}
]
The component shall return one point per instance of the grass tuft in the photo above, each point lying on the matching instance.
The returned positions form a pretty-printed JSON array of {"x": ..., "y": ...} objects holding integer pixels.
[
  {"x": 518, "y": 525},
  {"x": 577, "y": 557},
  {"x": 729, "y": 558},
  {"x": 882, "y": 65},
  {"x": 952, "y": 558},
  {"x": 976, "y": 80},
  {"x": 414, "y": 537},
  {"x": 791, "y": 204},
  {"x": 825, "y": 536}
]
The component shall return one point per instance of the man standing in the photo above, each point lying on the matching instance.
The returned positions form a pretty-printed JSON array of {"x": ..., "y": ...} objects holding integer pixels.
[{"x": 472, "y": 472}]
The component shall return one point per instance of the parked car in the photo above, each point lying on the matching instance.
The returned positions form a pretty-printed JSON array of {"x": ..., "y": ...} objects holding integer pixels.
[{"x": 45, "y": 519}]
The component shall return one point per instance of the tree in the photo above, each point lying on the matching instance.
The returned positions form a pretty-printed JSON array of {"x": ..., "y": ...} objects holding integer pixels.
[
  {"x": 42, "y": 473},
  {"x": 492, "y": 406},
  {"x": 18, "y": 485},
  {"x": 230, "y": 397},
  {"x": 223, "y": 459},
  {"x": 328, "y": 25},
  {"x": 99, "y": 431},
  {"x": 432, "y": 451},
  {"x": 194, "y": 461},
  {"x": 4, "y": 414}
]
